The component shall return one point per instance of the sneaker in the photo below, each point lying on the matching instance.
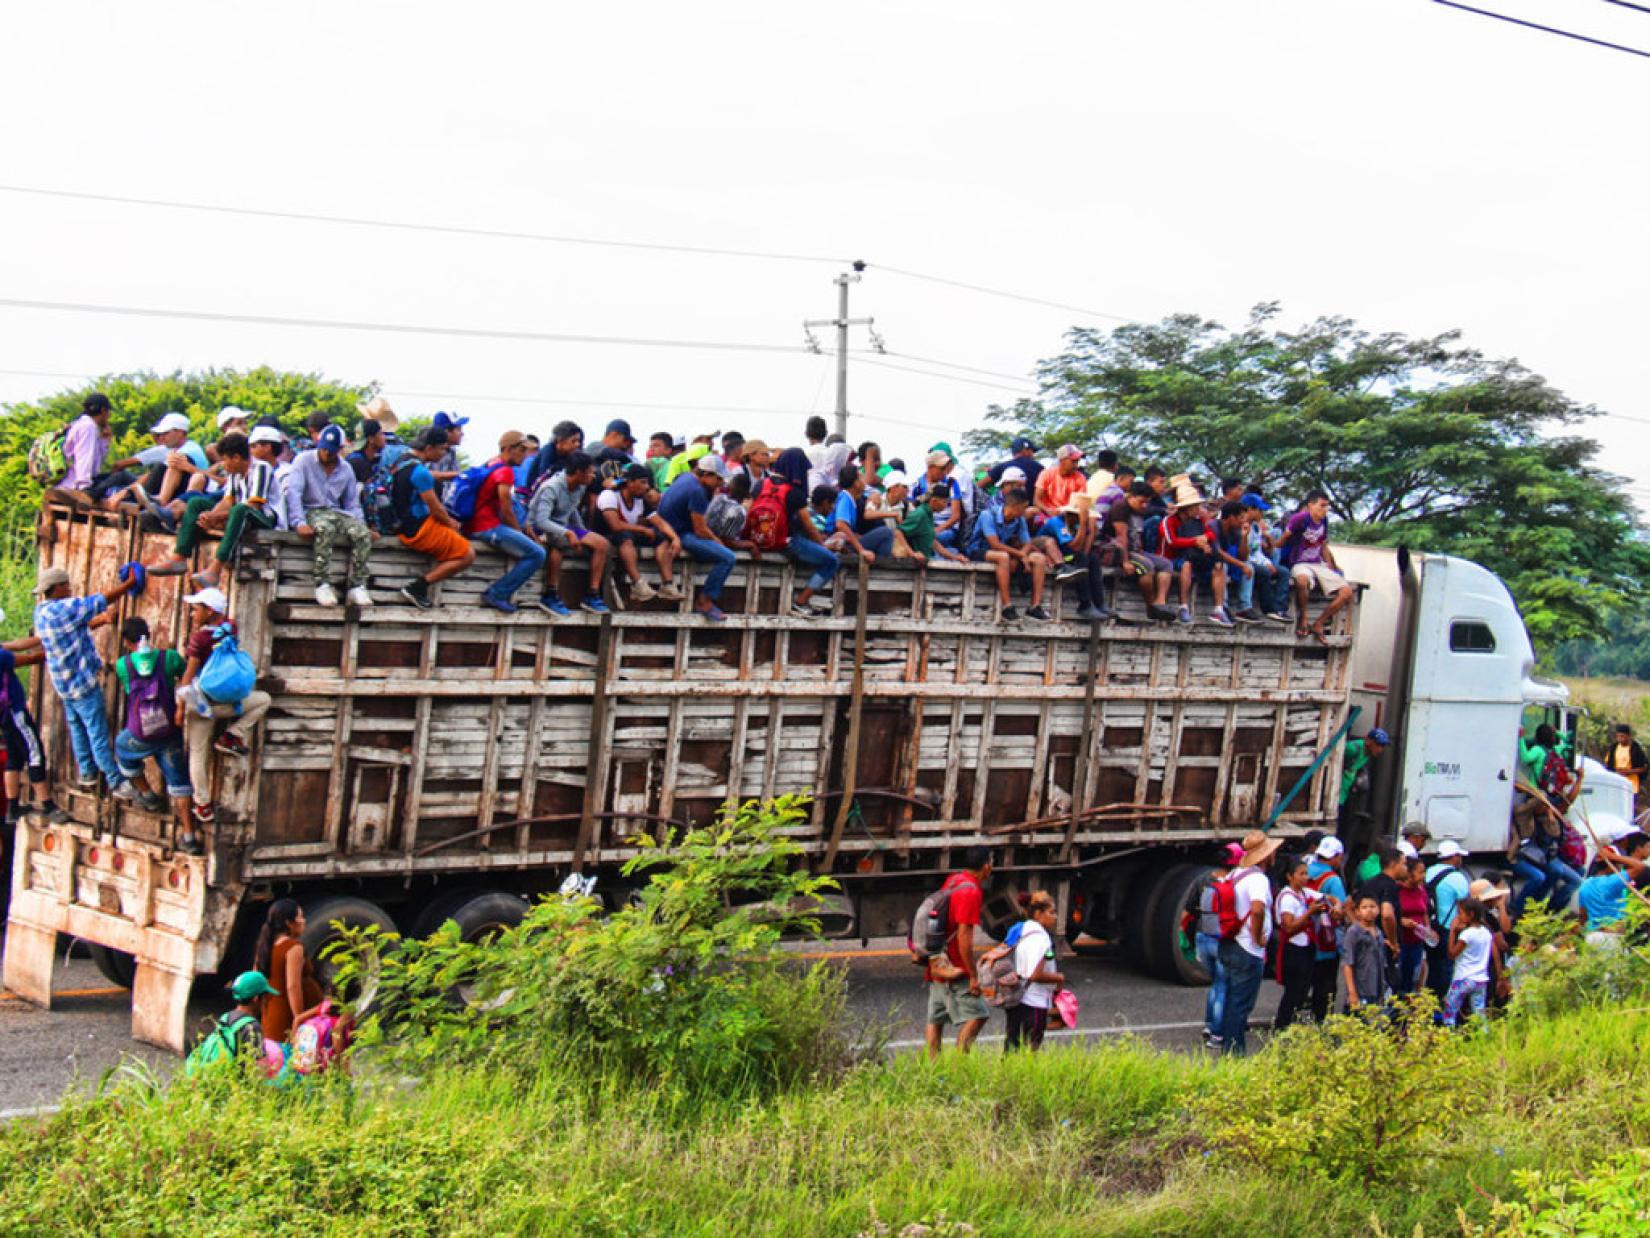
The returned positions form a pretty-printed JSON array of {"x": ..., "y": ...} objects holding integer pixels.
[
  {"x": 498, "y": 604},
  {"x": 801, "y": 611},
  {"x": 713, "y": 613},
  {"x": 418, "y": 593},
  {"x": 325, "y": 595},
  {"x": 154, "y": 510},
  {"x": 820, "y": 602},
  {"x": 190, "y": 844},
  {"x": 230, "y": 744},
  {"x": 1211, "y": 1041},
  {"x": 1163, "y": 614},
  {"x": 670, "y": 593},
  {"x": 1183, "y": 615},
  {"x": 641, "y": 591},
  {"x": 1093, "y": 614},
  {"x": 1220, "y": 618},
  {"x": 1010, "y": 615},
  {"x": 202, "y": 814},
  {"x": 53, "y": 813},
  {"x": 1277, "y": 616},
  {"x": 1037, "y": 613},
  {"x": 553, "y": 606},
  {"x": 150, "y": 802},
  {"x": 124, "y": 791},
  {"x": 594, "y": 604},
  {"x": 1248, "y": 615},
  {"x": 358, "y": 596},
  {"x": 14, "y": 814},
  {"x": 1069, "y": 572}
]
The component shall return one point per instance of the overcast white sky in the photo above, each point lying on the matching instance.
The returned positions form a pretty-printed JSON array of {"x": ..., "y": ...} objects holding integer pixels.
[{"x": 1415, "y": 167}]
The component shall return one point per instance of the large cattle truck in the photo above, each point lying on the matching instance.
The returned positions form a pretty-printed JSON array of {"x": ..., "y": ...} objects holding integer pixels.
[{"x": 454, "y": 763}]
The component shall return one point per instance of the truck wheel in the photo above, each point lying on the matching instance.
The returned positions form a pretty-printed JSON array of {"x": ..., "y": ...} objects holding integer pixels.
[
  {"x": 319, "y": 932},
  {"x": 486, "y": 915},
  {"x": 1161, "y": 947},
  {"x": 440, "y": 909},
  {"x": 117, "y": 966}
]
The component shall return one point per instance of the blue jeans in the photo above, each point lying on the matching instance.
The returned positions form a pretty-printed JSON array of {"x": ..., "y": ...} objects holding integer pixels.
[
  {"x": 527, "y": 553},
  {"x": 1410, "y": 958},
  {"x": 89, "y": 738},
  {"x": 1535, "y": 884},
  {"x": 1214, "y": 1007},
  {"x": 811, "y": 554},
  {"x": 131, "y": 752},
  {"x": 879, "y": 541},
  {"x": 717, "y": 555},
  {"x": 1243, "y": 976}
]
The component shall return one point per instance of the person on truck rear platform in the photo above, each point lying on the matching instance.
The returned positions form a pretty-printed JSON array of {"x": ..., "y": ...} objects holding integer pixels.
[
  {"x": 424, "y": 523},
  {"x": 1355, "y": 761},
  {"x": 954, "y": 990},
  {"x": 62, "y": 630},
  {"x": 323, "y": 502},
  {"x": 148, "y": 677},
  {"x": 495, "y": 524},
  {"x": 24, "y": 751},
  {"x": 198, "y": 716}
]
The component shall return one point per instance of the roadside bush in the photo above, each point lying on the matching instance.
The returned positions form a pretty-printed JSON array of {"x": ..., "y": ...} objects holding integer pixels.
[
  {"x": 1611, "y": 1198},
  {"x": 1357, "y": 1099},
  {"x": 1556, "y": 970},
  {"x": 684, "y": 985}
]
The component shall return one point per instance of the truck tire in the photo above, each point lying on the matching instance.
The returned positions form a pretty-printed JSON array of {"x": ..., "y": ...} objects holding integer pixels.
[
  {"x": 1161, "y": 946},
  {"x": 485, "y": 915},
  {"x": 440, "y": 909},
  {"x": 117, "y": 966},
  {"x": 319, "y": 932}
]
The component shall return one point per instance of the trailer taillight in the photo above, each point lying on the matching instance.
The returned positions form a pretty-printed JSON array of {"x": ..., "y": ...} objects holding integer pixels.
[
  {"x": 49, "y": 842},
  {"x": 1078, "y": 903}
]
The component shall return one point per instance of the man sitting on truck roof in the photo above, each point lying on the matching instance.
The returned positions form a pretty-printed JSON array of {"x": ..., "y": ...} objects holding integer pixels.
[
  {"x": 62, "y": 630},
  {"x": 1124, "y": 524},
  {"x": 683, "y": 507},
  {"x": 199, "y": 716},
  {"x": 244, "y": 503},
  {"x": 423, "y": 522},
  {"x": 629, "y": 524},
  {"x": 323, "y": 502},
  {"x": 1311, "y": 563},
  {"x": 1002, "y": 539},
  {"x": 556, "y": 516},
  {"x": 494, "y": 523}
]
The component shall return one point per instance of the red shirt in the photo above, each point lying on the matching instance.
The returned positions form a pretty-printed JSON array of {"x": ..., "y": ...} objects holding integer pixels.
[
  {"x": 199, "y": 644},
  {"x": 962, "y": 912},
  {"x": 1412, "y": 905},
  {"x": 487, "y": 516}
]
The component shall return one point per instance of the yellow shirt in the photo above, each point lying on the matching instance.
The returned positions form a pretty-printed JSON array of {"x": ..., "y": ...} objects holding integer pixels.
[{"x": 1621, "y": 760}]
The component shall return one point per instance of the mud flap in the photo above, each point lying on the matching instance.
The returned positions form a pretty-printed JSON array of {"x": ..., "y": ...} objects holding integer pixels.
[
  {"x": 30, "y": 956},
  {"x": 160, "y": 1005}
]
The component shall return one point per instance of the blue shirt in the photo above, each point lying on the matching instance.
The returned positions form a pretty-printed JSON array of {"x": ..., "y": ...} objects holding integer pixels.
[
  {"x": 1331, "y": 886},
  {"x": 1604, "y": 899},
  {"x": 11, "y": 687},
  {"x": 422, "y": 481},
  {"x": 685, "y": 496},
  {"x": 847, "y": 512},
  {"x": 71, "y": 658},
  {"x": 1451, "y": 890},
  {"x": 992, "y": 522}
]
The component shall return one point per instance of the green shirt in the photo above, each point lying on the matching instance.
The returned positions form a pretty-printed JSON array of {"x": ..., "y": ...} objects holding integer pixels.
[
  {"x": 1357, "y": 756},
  {"x": 918, "y": 527},
  {"x": 1366, "y": 870},
  {"x": 1532, "y": 760},
  {"x": 144, "y": 663}
]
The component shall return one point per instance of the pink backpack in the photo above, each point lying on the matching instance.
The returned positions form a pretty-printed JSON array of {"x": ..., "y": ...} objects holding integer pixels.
[
  {"x": 1065, "y": 1006},
  {"x": 317, "y": 1041}
]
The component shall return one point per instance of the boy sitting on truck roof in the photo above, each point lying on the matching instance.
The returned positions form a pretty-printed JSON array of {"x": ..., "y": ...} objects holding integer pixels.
[
  {"x": 148, "y": 677},
  {"x": 245, "y": 502},
  {"x": 422, "y": 521},
  {"x": 1002, "y": 539},
  {"x": 494, "y": 522},
  {"x": 209, "y": 611},
  {"x": 1311, "y": 563}
]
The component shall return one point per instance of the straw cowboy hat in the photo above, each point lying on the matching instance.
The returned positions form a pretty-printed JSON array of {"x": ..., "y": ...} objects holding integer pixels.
[
  {"x": 1185, "y": 493},
  {"x": 1258, "y": 848},
  {"x": 1486, "y": 891},
  {"x": 1080, "y": 504},
  {"x": 378, "y": 409}
]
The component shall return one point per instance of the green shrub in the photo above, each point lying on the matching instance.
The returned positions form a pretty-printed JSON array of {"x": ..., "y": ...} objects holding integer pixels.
[
  {"x": 1357, "y": 1099},
  {"x": 1609, "y": 1200},
  {"x": 684, "y": 985},
  {"x": 1556, "y": 970}
]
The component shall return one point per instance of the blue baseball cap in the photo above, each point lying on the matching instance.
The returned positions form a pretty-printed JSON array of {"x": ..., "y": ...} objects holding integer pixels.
[
  {"x": 330, "y": 439},
  {"x": 446, "y": 421},
  {"x": 1378, "y": 736},
  {"x": 620, "y": 426},
  {"x": 1255, "y": 501},
  {"x": 1022, "y": 443}
]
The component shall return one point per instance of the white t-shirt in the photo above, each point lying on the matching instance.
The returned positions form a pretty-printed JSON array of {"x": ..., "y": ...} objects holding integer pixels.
[
  {"x": 1292, "y": 904},
  {"x": 1035, "y": 949},
  {"x": 613, "y": 501},
  {"x": 1473, "y": 963},
  {"x": 1253, "y": 889}
]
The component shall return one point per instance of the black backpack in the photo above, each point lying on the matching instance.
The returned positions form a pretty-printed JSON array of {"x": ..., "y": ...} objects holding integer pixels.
[
  {"x": 395, "y": 516},
  {"x": 1432, "y": 902}
]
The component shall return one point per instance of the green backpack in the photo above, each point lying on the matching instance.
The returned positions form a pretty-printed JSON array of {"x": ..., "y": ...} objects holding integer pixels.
[
  {"x": 219, "y": 1045},
  {"x": 46, "y": 462}
]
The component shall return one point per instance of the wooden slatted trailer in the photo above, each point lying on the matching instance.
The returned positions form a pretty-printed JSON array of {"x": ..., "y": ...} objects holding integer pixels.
[{"x": 416, "y": 760}]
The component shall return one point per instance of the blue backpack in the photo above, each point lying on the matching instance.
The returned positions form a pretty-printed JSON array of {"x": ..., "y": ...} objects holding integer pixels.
[
  {"x": 460, "y": 499},
  {"x": 228, "y": 674}
]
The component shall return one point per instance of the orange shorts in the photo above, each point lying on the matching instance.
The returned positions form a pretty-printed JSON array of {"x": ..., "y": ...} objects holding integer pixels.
[{"x": 438, "y": 541}]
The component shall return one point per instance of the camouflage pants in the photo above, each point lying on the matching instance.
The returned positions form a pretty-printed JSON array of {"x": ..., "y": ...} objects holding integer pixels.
[{"x": 330, "y": 525}]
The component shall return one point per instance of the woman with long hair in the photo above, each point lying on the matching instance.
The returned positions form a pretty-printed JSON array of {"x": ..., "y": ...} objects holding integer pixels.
[
  {"x": 279, "y": 955},
  {"x": 1034, "y": 960}
]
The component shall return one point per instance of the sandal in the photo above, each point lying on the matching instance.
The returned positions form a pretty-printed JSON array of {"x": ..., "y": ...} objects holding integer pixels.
[
  {"x": 1319, "y": 636},
  {"x": 1302, "y": 631}
]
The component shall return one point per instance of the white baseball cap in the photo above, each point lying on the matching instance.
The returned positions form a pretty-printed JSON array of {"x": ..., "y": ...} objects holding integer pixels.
[
  {"x": 1329, "y": 848},
  {"x": 230, "y": 413},
  {"x": 1407, "y": 849},
  {"x": 1011, "y": 474},
  {"x": 893, "y": 477},
  {"x": 266, "y": 434},
  {"x": 211, "y": 598},
  {"x": 1449, "y": 849},
  {"x": 172, "y": 421}
]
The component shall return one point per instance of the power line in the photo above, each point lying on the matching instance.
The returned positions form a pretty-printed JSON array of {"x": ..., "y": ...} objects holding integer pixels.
[
  {"x": 949, "y": 365},
  {"x": 950, "y": 378},
  {"x": 998, "y": 292},
  {"x": 1627, "y": 4},
  {"x": 1530, "y": 25},
  {"x": 403, "y": 226}
]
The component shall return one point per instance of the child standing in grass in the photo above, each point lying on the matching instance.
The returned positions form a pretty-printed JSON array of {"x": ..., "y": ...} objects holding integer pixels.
[{"x": 1473, "y": 948}]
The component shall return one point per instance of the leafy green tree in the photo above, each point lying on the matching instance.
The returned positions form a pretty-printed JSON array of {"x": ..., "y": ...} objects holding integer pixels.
[
  {"x": 1417, "y": 441},
  {"x": 140, "y": 399},
  {"x": 1622, "y": 651}
]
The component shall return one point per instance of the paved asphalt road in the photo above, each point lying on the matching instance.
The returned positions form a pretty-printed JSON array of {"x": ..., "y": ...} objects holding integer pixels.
[{"x": 43, "y": 1053}]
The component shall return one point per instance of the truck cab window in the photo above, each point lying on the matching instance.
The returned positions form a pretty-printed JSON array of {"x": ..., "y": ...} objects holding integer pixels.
[{"x": 1471, "y": 636}]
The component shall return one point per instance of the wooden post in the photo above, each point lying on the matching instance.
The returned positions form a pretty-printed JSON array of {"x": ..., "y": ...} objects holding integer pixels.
[
  {"x": 850, "y": 762},
  {"x": 1080, "y": 775},
  {"x": 595, "y": 770}
]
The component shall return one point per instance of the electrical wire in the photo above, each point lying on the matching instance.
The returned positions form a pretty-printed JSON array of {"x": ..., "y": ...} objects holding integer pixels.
[
  {"x": 949, "y": 365},
  {"x": 950, "y": 378},
  {"x": 1530, "y": 25},
  {"x": 1628, "y": 4},
  {"x": 353, "y": 221},
  {"x": 998, "y": 292}
]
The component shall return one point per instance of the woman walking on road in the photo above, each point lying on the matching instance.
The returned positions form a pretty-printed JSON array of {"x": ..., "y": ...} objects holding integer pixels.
[
  {"x": 280, "y": 956},
  {"x": 1034, "y": 960}
]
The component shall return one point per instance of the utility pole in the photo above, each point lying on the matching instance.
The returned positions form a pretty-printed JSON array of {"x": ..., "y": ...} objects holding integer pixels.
[{"x": 841, "y": 322}]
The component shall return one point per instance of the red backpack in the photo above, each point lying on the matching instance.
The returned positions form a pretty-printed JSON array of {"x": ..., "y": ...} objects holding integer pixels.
[
  {"x": 1323, "y": 928},
  {"x": 767, "y": 524},
  {"x": 1225, "y": 901}
]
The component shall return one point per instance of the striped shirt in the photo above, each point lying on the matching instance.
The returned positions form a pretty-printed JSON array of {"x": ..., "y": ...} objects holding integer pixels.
[
  {"x": 71, "y": 657},
  {"x": 256, "y": 486}
]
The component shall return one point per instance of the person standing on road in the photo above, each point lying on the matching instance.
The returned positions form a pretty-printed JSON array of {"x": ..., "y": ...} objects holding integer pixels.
[
  {"x": 1323, "y": 874},
  {"x": 1244, "y": 957},
  {"x": 1296, "y": 917},
  {"x": 1034, "y": 960},
  {"x": 1207, "y": 942},
  {"x": 279, "y": 955},
  {"x": 954, "y": 997}
]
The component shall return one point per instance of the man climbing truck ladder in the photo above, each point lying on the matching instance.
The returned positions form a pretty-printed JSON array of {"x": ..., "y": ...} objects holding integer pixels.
[{"x": 454, "y": 762}]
